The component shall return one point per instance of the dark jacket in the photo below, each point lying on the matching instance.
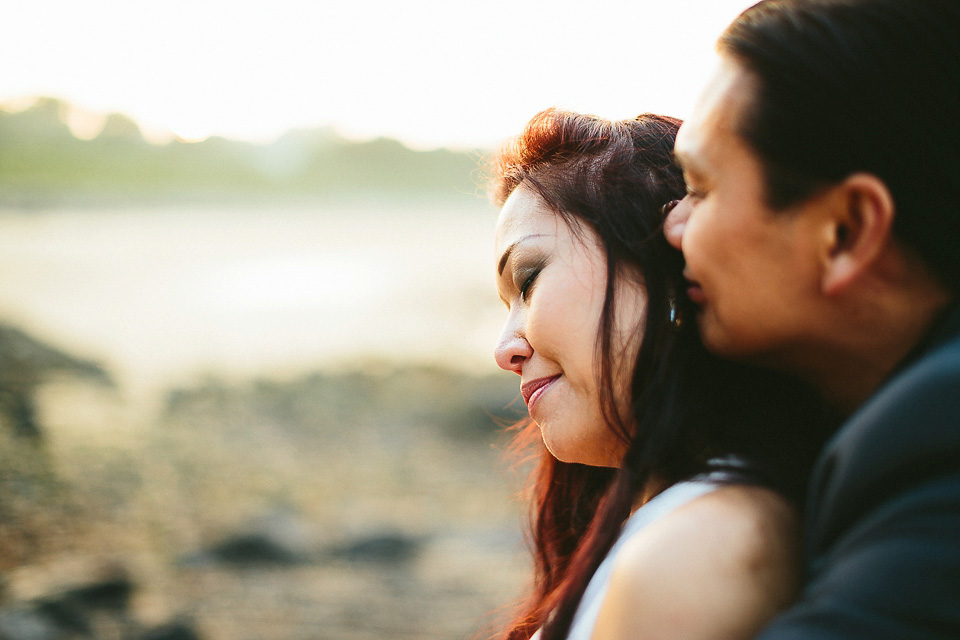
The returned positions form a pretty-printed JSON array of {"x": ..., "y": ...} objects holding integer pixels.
[{"x": 883, "y": 522}]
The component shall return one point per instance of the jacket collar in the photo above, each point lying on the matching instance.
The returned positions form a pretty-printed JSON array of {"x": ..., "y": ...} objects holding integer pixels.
[{"x": 943, "y": 329}]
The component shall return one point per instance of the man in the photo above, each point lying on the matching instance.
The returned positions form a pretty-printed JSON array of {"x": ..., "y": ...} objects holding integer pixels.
[{"x": 821, "y": 233}]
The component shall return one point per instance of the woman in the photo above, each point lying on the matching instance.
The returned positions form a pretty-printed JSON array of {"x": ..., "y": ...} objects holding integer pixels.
[{"x": 665, "y": 494}]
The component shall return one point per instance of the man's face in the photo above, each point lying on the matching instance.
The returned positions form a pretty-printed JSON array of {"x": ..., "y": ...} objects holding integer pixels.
[{"x": 752, "y": 272}]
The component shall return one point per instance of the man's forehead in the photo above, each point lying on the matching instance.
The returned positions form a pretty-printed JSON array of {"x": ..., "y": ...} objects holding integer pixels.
[{"x": 716, "y": 110}]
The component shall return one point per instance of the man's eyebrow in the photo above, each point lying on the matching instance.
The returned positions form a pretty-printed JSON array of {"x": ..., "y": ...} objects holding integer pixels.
[
  {"x": 509, "y": 250},
  {"x": 687, "y": 163}
]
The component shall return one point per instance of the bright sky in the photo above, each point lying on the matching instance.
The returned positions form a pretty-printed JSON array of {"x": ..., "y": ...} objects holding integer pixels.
[{"x": 429, "y": 72}]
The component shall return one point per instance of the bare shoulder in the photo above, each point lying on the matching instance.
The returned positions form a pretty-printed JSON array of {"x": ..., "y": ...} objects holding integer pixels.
[
  {"x": 745, "y": 520},
  {"x": 719, "y": 567},
  {"x": 737, "y": 532}
]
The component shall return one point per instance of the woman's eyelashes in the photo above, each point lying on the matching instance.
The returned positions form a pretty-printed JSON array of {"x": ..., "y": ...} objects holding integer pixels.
[
  {"x": 526, "y": 277},
  {"x": 528, "y": 285}
]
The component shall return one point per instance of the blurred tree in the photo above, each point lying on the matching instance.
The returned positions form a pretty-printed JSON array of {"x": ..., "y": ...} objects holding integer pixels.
[
  {"x": 118, "y": 127},
  {"x": 41, "y": 159}
]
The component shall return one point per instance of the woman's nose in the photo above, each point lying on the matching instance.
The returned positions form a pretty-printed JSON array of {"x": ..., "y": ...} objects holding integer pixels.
[
  {"x": 677, "y": 214},
  {"x": 512, "y": 349}
]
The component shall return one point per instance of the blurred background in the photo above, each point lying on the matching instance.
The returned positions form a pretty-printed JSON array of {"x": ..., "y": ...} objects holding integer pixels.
[{"x": 247, "y": 307}]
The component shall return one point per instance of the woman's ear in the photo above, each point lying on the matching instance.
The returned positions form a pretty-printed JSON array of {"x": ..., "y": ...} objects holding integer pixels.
[{"x": 859, "y": 228}]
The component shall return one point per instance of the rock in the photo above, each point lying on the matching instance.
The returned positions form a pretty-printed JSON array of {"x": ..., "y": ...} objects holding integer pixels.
[
  {"x": 26, "y": 624},
  {"x": 96, "y": 609},
  {"x": 254, "y": 548},
  {"x": 111, "y": 594},
  {"x": 64, "y": 615},
  {"x": 176, "y": 630},
  {"x": 386, "y": 547},
  {"x": 279, "y": 537},
  {"x": 72, "y": 610}
]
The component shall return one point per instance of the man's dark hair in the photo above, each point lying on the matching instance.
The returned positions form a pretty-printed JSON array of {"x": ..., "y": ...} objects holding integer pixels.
[{"x": 860, "y": 85}]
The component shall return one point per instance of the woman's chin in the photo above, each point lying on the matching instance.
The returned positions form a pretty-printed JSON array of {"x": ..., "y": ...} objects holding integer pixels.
[{"x": 573, "y": 454}]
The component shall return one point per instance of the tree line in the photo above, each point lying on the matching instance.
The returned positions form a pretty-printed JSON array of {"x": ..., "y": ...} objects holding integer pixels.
[{"x": 41, "y": 160}]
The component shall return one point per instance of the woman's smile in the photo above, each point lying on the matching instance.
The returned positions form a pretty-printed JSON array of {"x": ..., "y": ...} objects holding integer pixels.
[
  {"x": 532, "y": 390},
  {"x": 552, "y": 277}
]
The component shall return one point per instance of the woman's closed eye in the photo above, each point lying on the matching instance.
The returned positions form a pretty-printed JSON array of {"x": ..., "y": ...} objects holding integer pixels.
[{"x": 526, "y": 278}]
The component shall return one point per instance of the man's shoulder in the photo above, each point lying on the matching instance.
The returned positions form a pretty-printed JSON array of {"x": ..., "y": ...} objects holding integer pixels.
[
  {"x": 918, "y": 406},
  {"x": 904, "y": 441}
]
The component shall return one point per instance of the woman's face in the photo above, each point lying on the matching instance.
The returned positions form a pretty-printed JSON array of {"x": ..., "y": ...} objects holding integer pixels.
[{"x": 553, "y": 281}]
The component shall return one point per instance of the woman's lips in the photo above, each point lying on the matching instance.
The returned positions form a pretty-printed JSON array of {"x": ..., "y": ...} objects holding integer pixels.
[{"x": 531, "y": 391}]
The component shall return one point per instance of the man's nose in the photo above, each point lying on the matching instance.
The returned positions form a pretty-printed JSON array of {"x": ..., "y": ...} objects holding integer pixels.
[{"x": 677, "y": 214}]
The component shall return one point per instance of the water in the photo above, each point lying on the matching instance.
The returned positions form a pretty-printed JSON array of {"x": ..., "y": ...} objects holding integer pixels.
[{"x": 157, "y": 294}]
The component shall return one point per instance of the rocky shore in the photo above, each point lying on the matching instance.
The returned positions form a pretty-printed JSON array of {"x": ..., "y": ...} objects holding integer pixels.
[{"x": 362, "y": 504}]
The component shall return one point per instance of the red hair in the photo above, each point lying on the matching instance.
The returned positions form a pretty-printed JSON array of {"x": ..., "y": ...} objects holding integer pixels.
[{"x": 686, "y": 407}]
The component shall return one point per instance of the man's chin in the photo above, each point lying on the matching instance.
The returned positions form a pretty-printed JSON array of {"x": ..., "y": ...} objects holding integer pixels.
[
  {"x": 712, "y": 339},
  {"x": 721, "y": 342}
]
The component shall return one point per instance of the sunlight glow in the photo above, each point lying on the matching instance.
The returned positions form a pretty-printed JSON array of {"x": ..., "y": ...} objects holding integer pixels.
[
  {"x": 428, "y": 72},
  {"x": 85, "y": 125}
]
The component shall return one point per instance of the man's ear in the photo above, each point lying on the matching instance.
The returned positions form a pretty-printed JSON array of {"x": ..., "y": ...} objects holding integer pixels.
[{"x": 860, "y": 225}]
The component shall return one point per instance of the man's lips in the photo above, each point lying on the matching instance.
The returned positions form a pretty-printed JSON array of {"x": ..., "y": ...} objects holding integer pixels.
[
  {"x": 694, "y": 291},
  {"x": 532, "y": 390}
]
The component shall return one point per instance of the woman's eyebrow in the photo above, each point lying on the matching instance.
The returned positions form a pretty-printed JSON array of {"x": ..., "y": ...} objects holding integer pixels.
[{"x": 509, "y": 250}]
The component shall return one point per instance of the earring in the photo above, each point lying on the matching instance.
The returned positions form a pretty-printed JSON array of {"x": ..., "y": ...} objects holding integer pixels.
[{"x": 676, "y": 319}]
